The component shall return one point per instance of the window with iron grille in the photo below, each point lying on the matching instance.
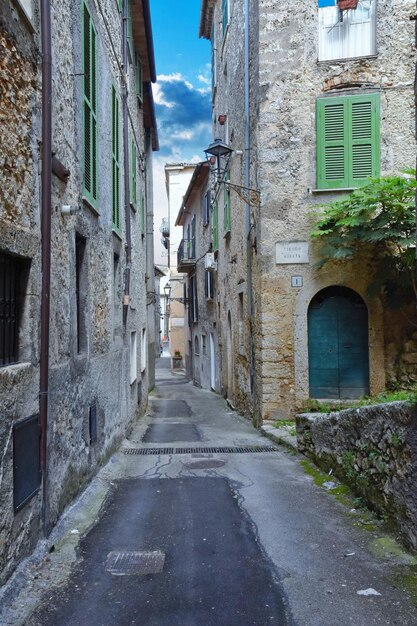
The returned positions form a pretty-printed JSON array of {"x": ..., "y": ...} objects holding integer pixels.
[{"x": 10, "y": 285}]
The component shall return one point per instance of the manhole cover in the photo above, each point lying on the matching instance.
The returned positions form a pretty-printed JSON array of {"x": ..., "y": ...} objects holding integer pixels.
[
  {"x": 205, "y": 464},
  {"x": 128, "y": 563}
]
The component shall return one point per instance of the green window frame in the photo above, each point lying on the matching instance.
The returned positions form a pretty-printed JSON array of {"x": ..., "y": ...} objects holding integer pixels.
[
  {"x": 348, "y": 141},
  {"x": 138, "y": 77},
  {"x": 115, "y": 158},
  {"x": 227, "y": 224},
  {"x": 225, "y": 15},
  {"x": 216, "y": 226},
  {"x": 89, "y": 121},
  {"x": 133, "y": 175}
]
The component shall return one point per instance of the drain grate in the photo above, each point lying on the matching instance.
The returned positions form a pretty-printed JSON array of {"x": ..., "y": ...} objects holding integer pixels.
[
  {"x": 208, "y": 450},
  {"x": 128, "y": 563}
]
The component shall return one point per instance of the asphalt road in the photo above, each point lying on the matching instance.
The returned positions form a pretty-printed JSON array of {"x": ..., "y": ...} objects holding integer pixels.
[{"x": 201, "y": 538}]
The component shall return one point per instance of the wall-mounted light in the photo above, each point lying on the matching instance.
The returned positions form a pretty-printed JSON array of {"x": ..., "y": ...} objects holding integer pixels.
[
  {"x": 69, "y": 209},
  {"x": 219, "y": 150}
]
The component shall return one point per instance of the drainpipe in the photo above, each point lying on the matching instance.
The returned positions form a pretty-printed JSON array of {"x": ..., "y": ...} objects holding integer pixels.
[
  {"x": 128, "y": 248},
  {"x": 46, "y": 189},
  {"x": 248, "y": 208}
]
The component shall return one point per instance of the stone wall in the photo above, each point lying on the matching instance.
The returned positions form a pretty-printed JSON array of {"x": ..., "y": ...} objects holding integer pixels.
[
  {"x": 374, "y": 450},
  {"x": 95, "y": 377},
  {"x": 290, "y": 80}
]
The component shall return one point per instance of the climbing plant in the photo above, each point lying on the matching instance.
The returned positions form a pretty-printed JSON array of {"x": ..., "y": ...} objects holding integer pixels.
[{"x": 376, "y": 222}]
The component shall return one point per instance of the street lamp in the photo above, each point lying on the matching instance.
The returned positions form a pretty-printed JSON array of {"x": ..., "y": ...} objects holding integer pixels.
[
  {"x": 216, "y": 151},
  {"x": 167, "y": 291}
]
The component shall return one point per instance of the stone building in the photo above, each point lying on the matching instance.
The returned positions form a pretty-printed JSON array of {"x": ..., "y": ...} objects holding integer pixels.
[
  {"x": 196, "y": 260},
  {"x": 312, "y": 100},
  {"x": 177, "y": 178},
  {"x": 102, "y": 300}
]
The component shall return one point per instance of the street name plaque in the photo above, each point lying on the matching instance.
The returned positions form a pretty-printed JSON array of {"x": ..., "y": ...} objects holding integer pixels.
[{"x": 290, "y": 252}]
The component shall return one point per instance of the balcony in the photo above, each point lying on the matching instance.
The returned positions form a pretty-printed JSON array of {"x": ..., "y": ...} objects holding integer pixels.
[{"x": 186, "y": 256}]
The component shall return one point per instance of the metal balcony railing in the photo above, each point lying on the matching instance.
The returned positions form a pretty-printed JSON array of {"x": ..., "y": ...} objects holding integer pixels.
[{"x": 186, "y": 256}]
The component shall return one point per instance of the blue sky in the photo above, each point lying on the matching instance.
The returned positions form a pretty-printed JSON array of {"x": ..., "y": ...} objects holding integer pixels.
[{"x": 182, "y": 93}]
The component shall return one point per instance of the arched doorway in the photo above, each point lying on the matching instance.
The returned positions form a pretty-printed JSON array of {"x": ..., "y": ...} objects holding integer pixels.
[{"x": 338, "y": 349}]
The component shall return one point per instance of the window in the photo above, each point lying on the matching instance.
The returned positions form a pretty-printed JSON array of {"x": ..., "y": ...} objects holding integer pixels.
[
  {"x": 226, "y": 207},
  {"x": 133, "y": 181},
  {"x": 26, "y": 465},
  {"x": 205, "y": 208},
  {"x": 117, "y": 294},
  {"x": 225, "y": 15},
  {"x": 209, "y": 285},
  {"x": 142, "y": 213},
  {"x": 203, "y": 345},
  {"x": 90, "y": 189},
  {"x": 115, "y": 157},
  {"x": 133, "y": 358},
  {"x": 81, "y": 290},
  {"x": 193, "y": 238},
  {"x": 347, "y": 141},
  {"x": 215, "y": 226},
  {"x": 346, "y": 34},
  {"x": 196, "y": 346},
  {"x": 138, "y": 78},
  {"x": 143, "y": 351},
  {"x": 130, "y": 46},
  {"x": 194, "y": 300},
  {"x": 10, "y": 285}
]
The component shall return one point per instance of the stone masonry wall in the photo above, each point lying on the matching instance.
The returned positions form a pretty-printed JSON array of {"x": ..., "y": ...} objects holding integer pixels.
[
  {"x": 374, "y": 450},
  {"x": 290, "y": 81},
  {"x": 19, "y": 235}
]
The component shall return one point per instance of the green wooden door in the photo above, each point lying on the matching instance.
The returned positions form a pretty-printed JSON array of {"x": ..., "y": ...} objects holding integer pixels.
[{"x": 338, "y": 345}]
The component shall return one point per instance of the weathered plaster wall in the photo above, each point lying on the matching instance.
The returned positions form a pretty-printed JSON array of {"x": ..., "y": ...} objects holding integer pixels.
[
  {"x": 374, "y": 450},
  {"x": 290, "y": 81}
]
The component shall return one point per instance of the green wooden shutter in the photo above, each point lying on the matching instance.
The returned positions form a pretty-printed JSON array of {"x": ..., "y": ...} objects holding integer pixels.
[
  {"x": 216, "y": 226},
  {"x": 332, "y": 143},
  {"x": 133, "y": 167},
  {"x": 348, "y": 150},
  {"x": 364, "y": 139},
  {"x": 90, "y": 187},
  {"x": 226, "y": 214},
  {"x": 115, "y": 139}
]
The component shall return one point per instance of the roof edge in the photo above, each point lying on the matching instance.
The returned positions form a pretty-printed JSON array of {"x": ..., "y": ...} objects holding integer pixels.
[
  {"x": 149, "y": 38},
  {"x": 206, "y": 19}
]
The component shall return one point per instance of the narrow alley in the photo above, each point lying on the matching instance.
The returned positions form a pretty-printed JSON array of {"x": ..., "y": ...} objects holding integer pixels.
[{"x": 198, "y": 520}]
